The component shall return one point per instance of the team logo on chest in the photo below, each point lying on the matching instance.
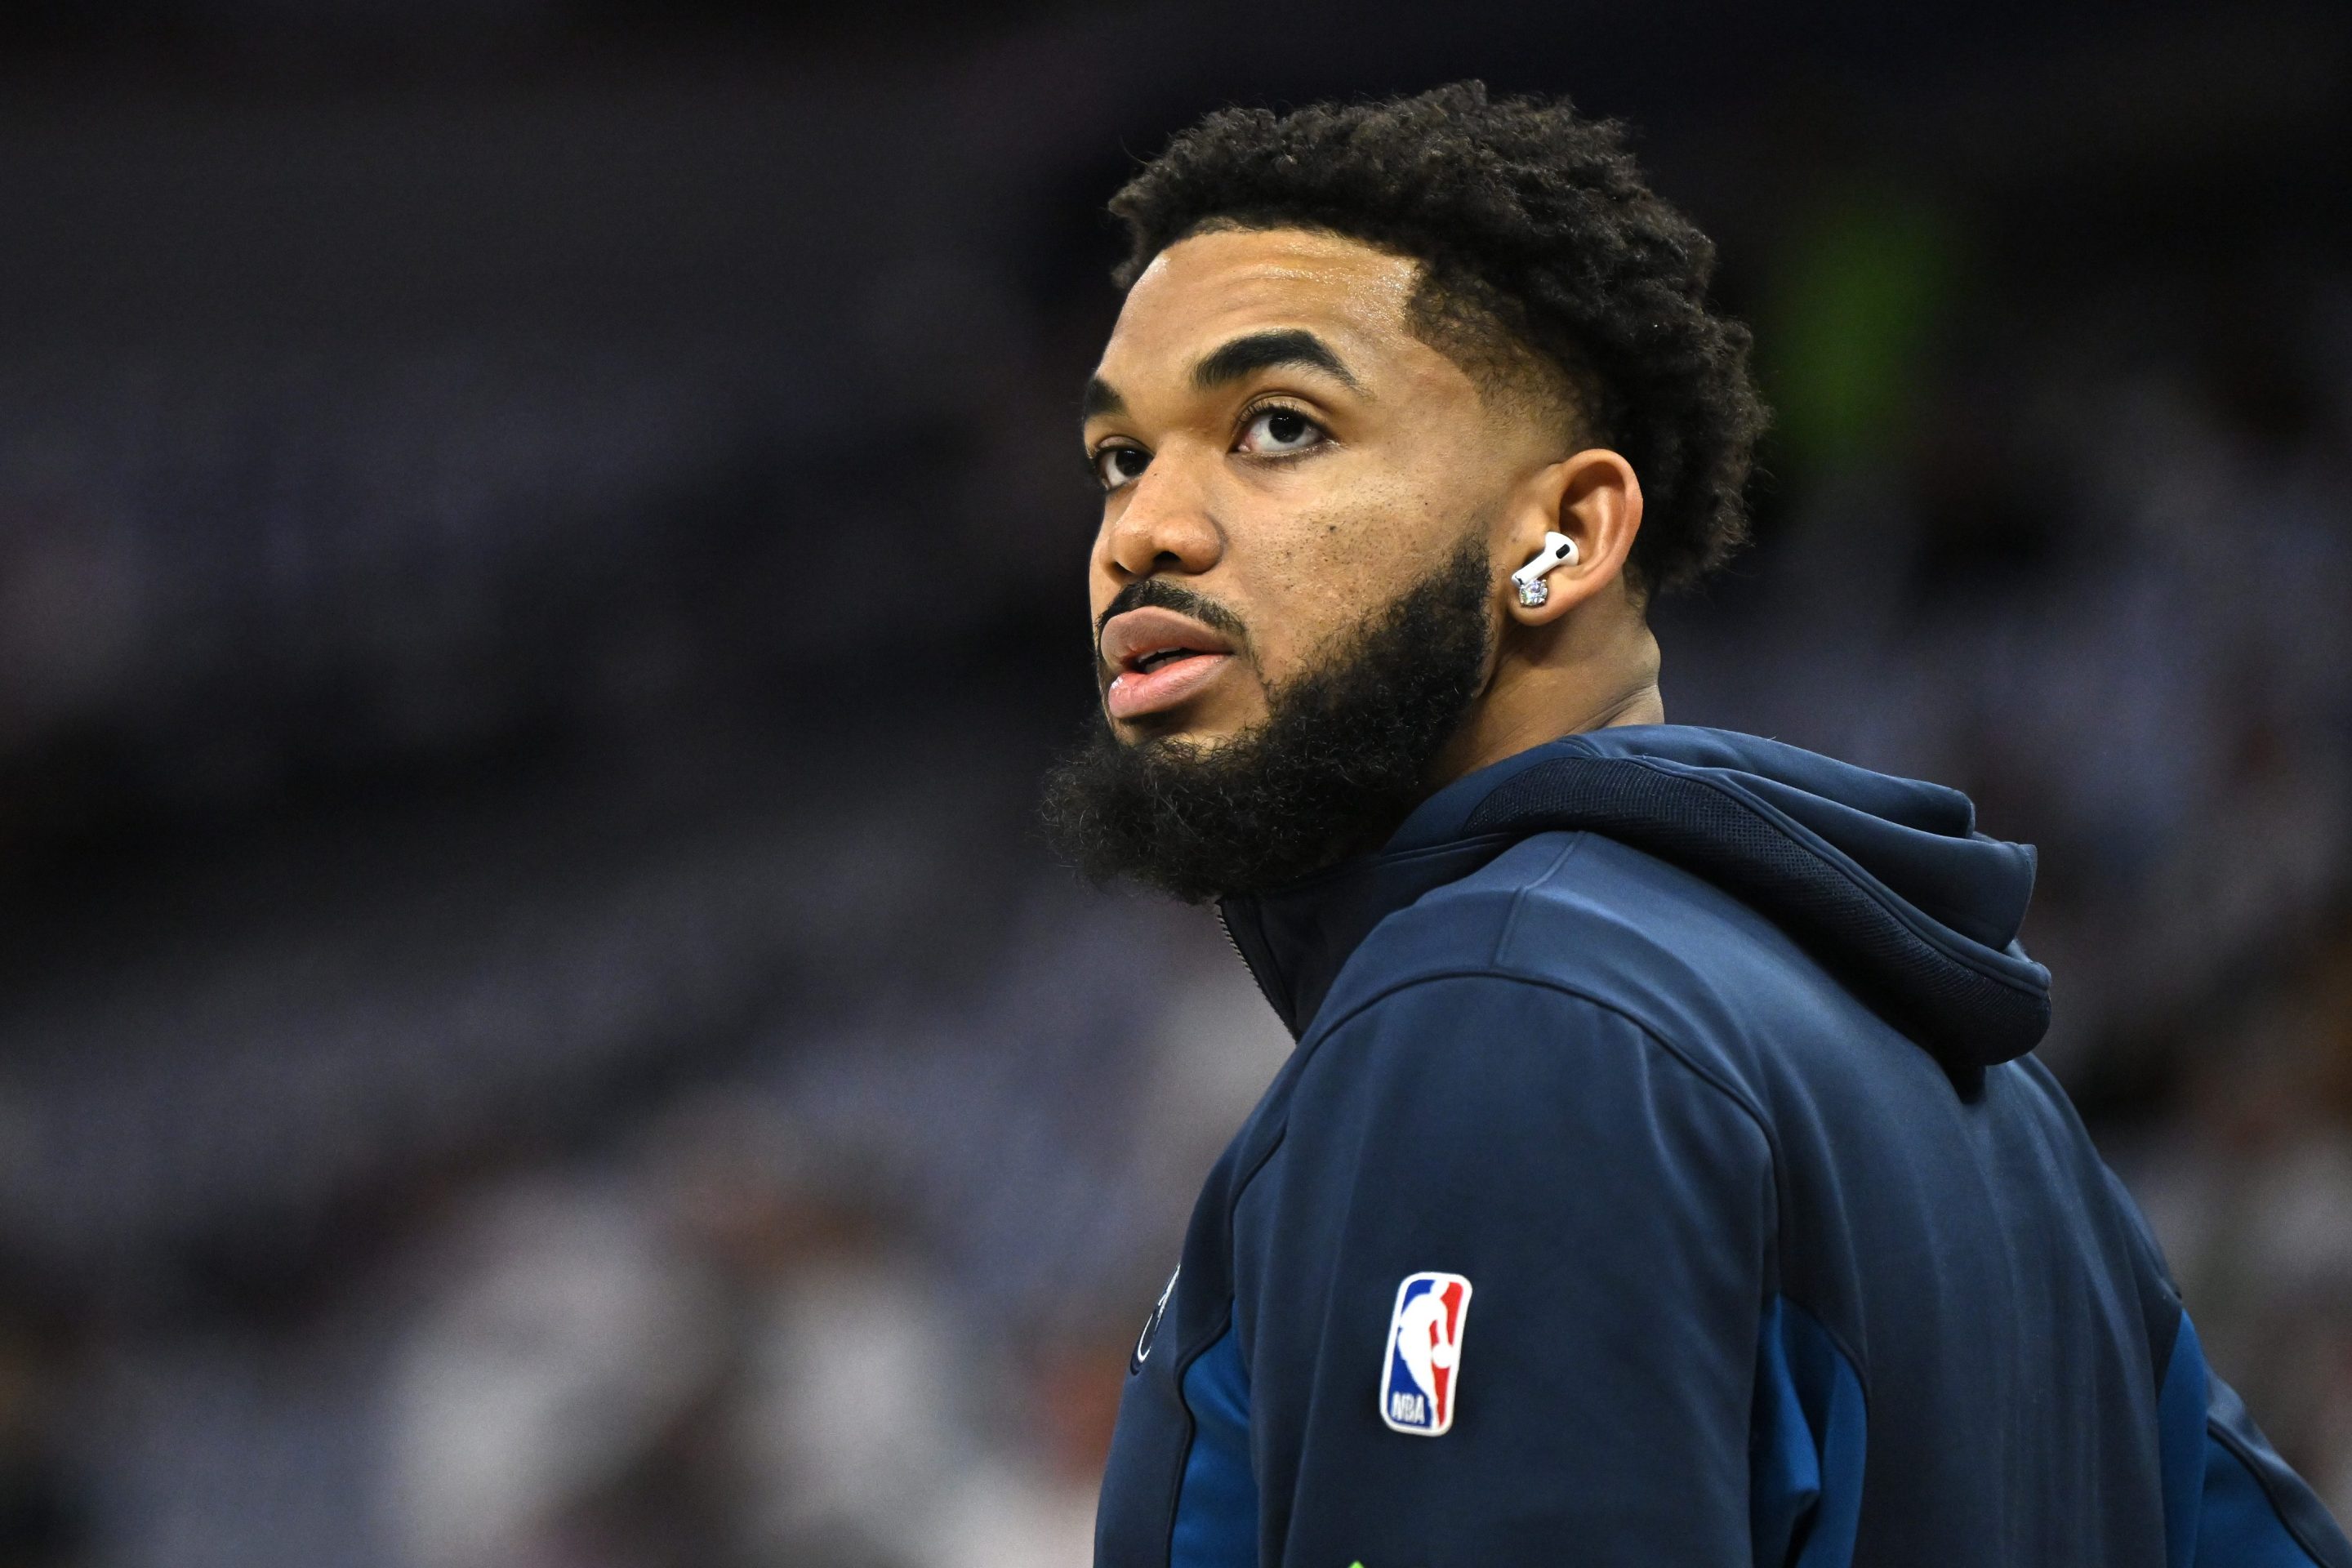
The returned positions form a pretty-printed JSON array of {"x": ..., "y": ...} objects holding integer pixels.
[{"x": 1424, "y": 1360}]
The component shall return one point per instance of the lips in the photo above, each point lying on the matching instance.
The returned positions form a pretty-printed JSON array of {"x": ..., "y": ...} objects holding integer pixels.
[{"x": 1163, "y": 659}]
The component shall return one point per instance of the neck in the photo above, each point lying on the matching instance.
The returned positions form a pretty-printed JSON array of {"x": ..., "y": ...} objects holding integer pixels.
[{"x": 1560, "y": 690}]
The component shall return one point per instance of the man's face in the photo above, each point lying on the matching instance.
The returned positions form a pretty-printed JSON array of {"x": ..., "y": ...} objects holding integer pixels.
[{"x": 1276, "y": 443}]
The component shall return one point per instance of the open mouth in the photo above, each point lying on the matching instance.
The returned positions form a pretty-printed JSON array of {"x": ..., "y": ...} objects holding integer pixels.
[{"x": 1163, "y": 659}]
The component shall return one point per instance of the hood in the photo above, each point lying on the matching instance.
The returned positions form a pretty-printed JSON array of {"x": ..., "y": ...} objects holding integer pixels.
[{"x": 1885, "y": 881}]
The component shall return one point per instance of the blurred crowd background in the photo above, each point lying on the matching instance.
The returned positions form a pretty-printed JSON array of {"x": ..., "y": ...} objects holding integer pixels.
[{"x": 540, "y": 551}]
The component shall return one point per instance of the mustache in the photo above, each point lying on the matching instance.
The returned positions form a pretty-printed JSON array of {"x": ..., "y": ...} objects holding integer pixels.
[{"x": 1159, "y": 594}]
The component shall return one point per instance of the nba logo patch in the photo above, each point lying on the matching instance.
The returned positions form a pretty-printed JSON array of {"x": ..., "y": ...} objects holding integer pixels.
[{"x": 1424, "y": 1353}]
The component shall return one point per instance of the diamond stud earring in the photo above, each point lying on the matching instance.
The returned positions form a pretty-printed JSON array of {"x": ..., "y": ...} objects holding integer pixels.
[{"x": 1533, "y": 594}]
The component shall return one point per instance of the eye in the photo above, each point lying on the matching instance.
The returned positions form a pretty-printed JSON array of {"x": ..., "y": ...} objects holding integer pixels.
[
  {"x": 1272, "y": 432},
  {"x": 1117, "y": 466}
]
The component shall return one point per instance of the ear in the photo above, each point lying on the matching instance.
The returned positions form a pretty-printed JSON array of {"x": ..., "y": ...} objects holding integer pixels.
[{"x": 1595, "y": 500}]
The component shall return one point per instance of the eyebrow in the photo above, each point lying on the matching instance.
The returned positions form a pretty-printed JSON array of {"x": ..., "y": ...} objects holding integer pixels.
[
  {"x": 1100, "y": 397},
  {"x": 1230, "y": 362},
  {"x": 1268, "y": 350}
]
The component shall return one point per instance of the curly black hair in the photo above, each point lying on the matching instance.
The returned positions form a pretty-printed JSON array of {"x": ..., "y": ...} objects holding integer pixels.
[{"x": 1542, "y": 250}]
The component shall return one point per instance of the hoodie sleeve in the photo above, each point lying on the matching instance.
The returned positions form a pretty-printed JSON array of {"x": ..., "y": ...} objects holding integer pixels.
[{"x": 1602, "y": 1214}]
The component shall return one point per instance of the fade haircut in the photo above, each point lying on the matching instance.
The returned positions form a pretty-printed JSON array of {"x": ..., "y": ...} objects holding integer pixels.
[{"x": 1551, "y": 271}]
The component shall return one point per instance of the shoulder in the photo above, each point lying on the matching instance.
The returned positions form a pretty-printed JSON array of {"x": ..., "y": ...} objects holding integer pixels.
[
  {"x": 1490, "y": 1061},
  {"x": 1487, "y": 1112},
  {"x": 1665, "y": 951},
  {"x": 1572, "y": 907}
]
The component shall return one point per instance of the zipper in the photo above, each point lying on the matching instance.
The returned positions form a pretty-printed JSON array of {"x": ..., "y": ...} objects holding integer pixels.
[{"x": 1248, "y": 968}]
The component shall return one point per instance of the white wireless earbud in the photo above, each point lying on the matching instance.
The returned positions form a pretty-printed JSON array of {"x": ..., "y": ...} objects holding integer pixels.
[{"x": 1558, "y": 550}]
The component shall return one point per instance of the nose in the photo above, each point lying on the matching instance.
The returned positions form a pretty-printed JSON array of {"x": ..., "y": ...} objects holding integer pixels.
[{"x": 1164, "y": 525}]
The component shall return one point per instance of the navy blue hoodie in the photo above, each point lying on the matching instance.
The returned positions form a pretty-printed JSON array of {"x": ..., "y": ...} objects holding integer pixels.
[{"x": 1660, "y": 1179}]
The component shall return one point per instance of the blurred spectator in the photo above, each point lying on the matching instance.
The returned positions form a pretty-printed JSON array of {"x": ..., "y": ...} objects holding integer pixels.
[{"x": 570, "y": 1339}]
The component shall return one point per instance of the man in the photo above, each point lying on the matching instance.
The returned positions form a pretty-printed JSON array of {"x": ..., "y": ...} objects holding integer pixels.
[{"x": 1660, "y": 1177}]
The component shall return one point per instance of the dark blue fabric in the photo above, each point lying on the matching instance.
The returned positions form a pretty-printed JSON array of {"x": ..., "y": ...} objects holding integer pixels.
[
  {"x": 1602, "y": 1399},
  {"x": 1216, "y": 1506},
  {"x": 1917, "y": 914},
  {"x": 2241, "y": 1527},
  {"x": 2180, "y": 1419},
  {"x": 1756, "y": 1278},
  {"x": 1808, "y": 1446}
]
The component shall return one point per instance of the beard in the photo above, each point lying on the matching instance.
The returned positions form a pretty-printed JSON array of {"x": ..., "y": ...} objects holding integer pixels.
[{"x": 1342, "y": 756}]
